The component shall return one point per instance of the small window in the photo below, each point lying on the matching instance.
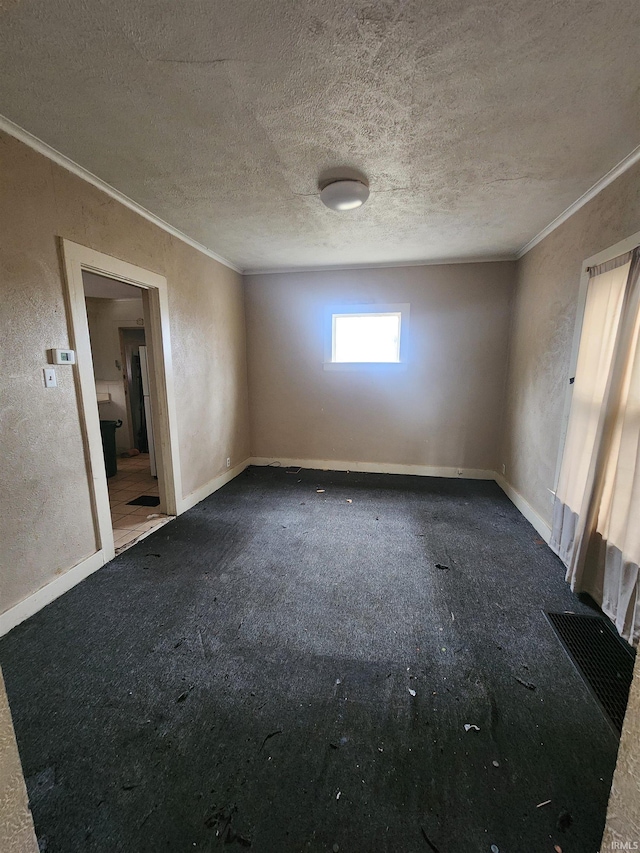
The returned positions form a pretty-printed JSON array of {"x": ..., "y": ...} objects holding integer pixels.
[{"x": 369, "y": 338}]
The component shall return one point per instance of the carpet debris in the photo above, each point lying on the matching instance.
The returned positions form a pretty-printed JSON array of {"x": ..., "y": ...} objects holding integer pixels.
[
  {"x": 221, "y": 821},
  {"x": 269, "y": 736},
  {"x": 320, "y": 491},
  {"x": 338, "y": 795},
  {"x": 495, "y": 848},
  {"x": 184, "y": 695},
  {"x": 349, "y": 501},
  {"x": 442, "y": 567},
  {"x": 432, "y": 846},
  {"x": 147, "y": 816},
  {"x": 41, "y": 783},
  {"x": 564, "y": 821},
  {"x": 545, "y": 803},
  {"x": 412, "y": 692},
  {"x": 526, "y": 684},
  {"x": 469, "y": 726}
]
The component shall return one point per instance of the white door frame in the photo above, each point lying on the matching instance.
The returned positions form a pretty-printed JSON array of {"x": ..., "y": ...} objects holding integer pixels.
[
  {"x": 621, "y": 248},
  {"x": 77, "y": 258}
]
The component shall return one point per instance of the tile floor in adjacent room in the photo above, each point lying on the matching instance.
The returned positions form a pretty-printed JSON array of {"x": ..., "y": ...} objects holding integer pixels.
[{"x": 132, "y": 480}]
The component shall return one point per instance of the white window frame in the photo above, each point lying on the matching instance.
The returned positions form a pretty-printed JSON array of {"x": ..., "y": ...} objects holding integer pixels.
[{"x": 376, "y": 309}]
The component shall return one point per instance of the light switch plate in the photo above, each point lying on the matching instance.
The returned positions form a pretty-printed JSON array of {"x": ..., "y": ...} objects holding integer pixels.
[{"x": 50, "y": 380}]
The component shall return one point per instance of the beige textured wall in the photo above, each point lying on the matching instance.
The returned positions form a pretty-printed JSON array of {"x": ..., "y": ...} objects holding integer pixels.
[
  {"x": 46, "y": 527},
  {"x": 544, "y": 315},
  {"x": 442, "y": 411},
  {"x": 623, "y": 813},
  {"x": 16, "y": 826}
]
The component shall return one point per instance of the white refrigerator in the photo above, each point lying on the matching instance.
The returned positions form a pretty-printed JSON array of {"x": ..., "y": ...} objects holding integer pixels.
[{"x": 146, "y": 391}]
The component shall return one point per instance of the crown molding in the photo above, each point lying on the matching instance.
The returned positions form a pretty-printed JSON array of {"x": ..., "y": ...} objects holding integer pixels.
[
  {"x": 46, "y": 150},
  {"x": 33, "y": 142},
  {"x": 625, "y": 164},
  {"x": 491, "y": 259}
]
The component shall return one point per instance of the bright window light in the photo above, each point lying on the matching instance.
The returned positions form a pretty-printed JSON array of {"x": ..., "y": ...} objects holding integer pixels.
[{"x": 366, "y": 337}]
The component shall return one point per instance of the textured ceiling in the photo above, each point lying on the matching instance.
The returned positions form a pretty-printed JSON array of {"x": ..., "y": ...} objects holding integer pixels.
[{"x": 475, "y": 124}]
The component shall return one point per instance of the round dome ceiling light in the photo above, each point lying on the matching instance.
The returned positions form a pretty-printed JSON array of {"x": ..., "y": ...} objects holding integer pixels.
[{"x": 344, "y": 195}]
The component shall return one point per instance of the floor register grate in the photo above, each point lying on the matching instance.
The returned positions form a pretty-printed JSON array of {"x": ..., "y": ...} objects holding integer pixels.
[{"x": 603, "y": 660}]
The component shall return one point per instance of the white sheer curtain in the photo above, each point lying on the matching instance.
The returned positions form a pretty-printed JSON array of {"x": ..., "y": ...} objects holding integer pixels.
[{"x": 596, "y": 524}]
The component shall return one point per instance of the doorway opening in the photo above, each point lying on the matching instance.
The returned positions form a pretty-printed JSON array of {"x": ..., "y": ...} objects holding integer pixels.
[
  {"x": 119, "y": 326},
  {"x": 118, "y": 337}
]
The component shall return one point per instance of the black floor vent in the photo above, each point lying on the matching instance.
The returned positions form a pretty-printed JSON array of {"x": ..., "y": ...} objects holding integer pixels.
[{"x": 603, "y": 660}]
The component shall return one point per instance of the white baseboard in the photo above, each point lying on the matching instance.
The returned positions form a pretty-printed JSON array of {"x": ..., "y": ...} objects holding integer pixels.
[
  {"x": 422, "y": 471},
  {"x": 211, "y": 487},
  {"x": 376, "y": 468},
  {"x": 525, "y": 508},
  {"x": 64, "y": 582},
  {"x": 54, "y": 589}
]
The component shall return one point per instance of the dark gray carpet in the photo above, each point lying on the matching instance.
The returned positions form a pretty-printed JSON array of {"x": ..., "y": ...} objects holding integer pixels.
[{"x": 244, "y": 676}]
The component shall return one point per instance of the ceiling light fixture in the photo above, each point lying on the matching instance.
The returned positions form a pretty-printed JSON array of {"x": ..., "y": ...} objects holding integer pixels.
[{"x": 344, "y": 195}]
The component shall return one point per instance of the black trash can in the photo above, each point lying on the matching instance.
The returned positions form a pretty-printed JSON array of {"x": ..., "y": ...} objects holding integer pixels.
[{"x": 108, "y": 431}]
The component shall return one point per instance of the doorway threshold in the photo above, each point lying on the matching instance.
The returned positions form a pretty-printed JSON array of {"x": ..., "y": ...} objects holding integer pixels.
[
  {"x": 134, "y": 500},
  {"x": 138, "y": 535}
]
